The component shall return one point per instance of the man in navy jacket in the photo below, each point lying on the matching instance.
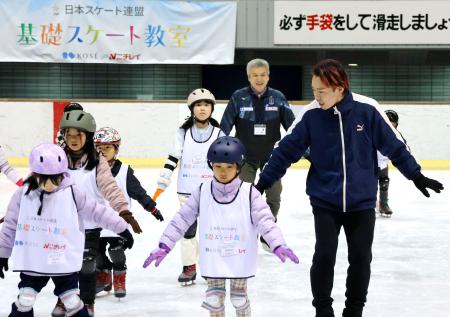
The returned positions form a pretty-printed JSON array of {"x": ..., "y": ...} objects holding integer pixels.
[
  {"x": 343, "y": 131},
  {"x": 258, "y": 112}
]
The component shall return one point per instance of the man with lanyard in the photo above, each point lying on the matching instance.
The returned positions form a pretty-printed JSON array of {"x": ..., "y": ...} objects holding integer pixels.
[{"x": 257, "y": 112}]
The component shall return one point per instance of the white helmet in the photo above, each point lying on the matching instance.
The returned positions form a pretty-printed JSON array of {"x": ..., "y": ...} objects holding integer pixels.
[
  {"x": 200, "y": 94},
  {"x": 107, "y": 135}
]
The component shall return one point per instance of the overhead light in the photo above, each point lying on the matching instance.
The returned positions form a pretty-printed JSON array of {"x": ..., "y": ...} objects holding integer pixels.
[{"x": 352, "y": 65}]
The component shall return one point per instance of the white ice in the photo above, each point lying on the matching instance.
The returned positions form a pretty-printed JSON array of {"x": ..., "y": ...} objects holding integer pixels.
[{"x": 410, "y": 268}]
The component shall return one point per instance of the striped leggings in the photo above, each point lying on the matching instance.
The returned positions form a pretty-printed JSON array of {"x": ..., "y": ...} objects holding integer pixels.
[{"x": 215, "y": 297}]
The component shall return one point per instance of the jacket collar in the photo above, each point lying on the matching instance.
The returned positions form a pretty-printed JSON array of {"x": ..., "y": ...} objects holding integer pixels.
[
  {"x": 225, "y": 192},
  {"x": 254, "y": 93},
  {"x": 346, "y": 104}
]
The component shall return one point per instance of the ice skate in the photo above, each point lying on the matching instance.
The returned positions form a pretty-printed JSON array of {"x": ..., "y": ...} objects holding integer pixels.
[
  {"x": 103, "y": 281},
  {"x": 119, "y": 284},
  {"x": 383, "y": 208},
  {"x": 59, "y": 310},
  {"x": 90, "y": 309},
  {"x": 187, "y": 277}
]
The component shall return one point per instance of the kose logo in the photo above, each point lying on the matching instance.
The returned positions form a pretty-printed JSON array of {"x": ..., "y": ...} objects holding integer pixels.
[
  {"x": 68, "y": 55},
  {"x": 82, "y": 56}
]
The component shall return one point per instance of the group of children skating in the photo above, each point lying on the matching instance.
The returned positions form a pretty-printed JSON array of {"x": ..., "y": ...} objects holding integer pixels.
[{"x": 74, "y": 207}]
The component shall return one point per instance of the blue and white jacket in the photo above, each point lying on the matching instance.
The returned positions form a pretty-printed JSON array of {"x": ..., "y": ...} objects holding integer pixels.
[{"x": 343, "y": 142}]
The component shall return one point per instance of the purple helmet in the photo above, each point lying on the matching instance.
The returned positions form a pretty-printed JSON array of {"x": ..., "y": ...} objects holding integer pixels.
[{"x": 48, "y": 159}]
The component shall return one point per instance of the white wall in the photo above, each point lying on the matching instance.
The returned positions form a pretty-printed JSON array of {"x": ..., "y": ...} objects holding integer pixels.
[{"x": 148, "y": 129}]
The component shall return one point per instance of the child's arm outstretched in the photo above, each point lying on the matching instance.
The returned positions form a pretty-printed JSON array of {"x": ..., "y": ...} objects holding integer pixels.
[
  {"x": 137, "y": 192},
  {"x": 8, "y": 170},
  {"x": 103, "y": 216},
  {"x": 267, "y": 227},
  {"x": 171, "y": 163},
  {"x": 175, "y": 230}
]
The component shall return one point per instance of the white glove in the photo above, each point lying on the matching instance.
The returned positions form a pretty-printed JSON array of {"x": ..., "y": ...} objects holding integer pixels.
[{"x": 164, "y": 178}]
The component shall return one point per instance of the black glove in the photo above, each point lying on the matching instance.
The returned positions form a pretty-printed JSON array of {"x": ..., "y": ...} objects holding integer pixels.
[
  {"x": 260, "y": 187},
  {"x": 157, "y": 214},
  {"x": 128, "y": 237},
  {"x": 3, "y": 266},
  {"x": 422, "y": 183}
]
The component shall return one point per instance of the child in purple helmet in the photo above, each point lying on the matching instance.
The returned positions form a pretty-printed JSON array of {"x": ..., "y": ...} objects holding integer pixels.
[
  {"x": 43, "y": 232},
  {"x": 230, "y": 214}
]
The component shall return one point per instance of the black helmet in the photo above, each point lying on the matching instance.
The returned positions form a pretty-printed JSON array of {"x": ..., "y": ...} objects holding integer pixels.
[
  {"x": 73, "y": 106},
  {"x": 226, "y": 149},
  {"x": 392, "y": 115}
]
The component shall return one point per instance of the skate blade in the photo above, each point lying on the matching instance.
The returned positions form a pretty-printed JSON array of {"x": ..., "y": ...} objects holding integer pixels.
[
  {"x": 186, "y": 284},
  {"x": 385, "y": 215},
  {"x": 119, "y": 296}
]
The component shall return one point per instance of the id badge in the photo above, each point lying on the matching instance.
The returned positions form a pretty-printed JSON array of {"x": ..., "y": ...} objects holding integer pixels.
[
  {"x": 228, "y": 249},
  {"x": 259, "y": 129}
]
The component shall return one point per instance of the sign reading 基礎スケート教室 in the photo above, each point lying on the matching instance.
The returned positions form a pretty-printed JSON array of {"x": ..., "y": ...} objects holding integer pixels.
[
  {"x": 362, "y": 22},
  {"x": 103, "y": 31}
]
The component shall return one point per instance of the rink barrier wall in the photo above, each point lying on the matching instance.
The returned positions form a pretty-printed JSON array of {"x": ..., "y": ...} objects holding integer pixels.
[
  {"x": 148, "y": 128},
  {"x": 159, "y": 162}
]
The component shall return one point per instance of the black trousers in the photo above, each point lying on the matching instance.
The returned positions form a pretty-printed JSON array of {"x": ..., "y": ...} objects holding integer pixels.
[
  {"x": 62, "y": 283},
  {"x": 359, "y": 229},
  {"x": 87, "y": 273},
  {"x": 117, "y": 258}
]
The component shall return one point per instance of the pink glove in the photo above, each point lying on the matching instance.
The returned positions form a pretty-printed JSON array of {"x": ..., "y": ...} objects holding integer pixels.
[
  {"x": 282, "y": 252},
  {"x": 158, "y": 254}
]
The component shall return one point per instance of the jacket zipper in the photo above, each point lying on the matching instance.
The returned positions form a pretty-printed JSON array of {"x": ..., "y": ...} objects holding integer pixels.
[{"x": 344, "y": 185}]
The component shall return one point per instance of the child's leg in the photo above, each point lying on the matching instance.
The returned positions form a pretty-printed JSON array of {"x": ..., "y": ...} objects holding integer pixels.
[
  {"x": 87, "y": 273},
  {"x": 103, "y": 262},
  {"x": 189, "y": 249},
  {"x": 66, "y": 288},
  {"x": 215, "y": 297},
  {"x": 104, "y": 266},
  {"x": 117, "y": 254},
  {"x": 29, "y": 287},
  {"x": 238, "y": 296}
]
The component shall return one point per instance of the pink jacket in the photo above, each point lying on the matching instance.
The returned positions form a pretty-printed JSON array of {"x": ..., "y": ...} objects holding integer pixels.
[
  {"x": 106, "y": 183},
  {"x": 88, "y": 209},
  {"x": 261, "y": 215}
]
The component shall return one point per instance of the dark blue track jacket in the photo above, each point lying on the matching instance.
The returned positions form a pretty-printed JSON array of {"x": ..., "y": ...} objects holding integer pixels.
[{"x": 343, "y": 142}]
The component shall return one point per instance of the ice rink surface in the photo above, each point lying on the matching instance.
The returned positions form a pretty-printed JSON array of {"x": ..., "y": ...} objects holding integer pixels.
[{"x": 410, "y": 268}]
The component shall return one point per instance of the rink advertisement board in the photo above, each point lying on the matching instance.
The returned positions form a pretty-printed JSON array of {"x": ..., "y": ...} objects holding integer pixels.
[
  {"x": 362, "y": 22},
  {"x": 103, "y": 31}
]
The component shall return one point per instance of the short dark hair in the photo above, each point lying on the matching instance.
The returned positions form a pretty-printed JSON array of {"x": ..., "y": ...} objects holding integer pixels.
[{"x": 332, "y": 74}]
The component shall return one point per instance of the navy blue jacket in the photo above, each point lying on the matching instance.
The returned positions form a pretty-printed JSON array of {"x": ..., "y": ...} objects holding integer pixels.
[
  {"x": 245, "y": 109},
  {"x": 343, "y": 142}
]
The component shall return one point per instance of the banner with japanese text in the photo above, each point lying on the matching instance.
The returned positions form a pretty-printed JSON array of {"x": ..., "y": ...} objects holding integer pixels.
[
  {"x": 120, "y": 31},
  {"x": 362, "y": 22}
]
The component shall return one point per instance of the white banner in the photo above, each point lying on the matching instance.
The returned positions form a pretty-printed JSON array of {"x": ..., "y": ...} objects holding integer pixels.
[
  {"x": 362, "y": 22},
  {"x": 120, "y": 31}
]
